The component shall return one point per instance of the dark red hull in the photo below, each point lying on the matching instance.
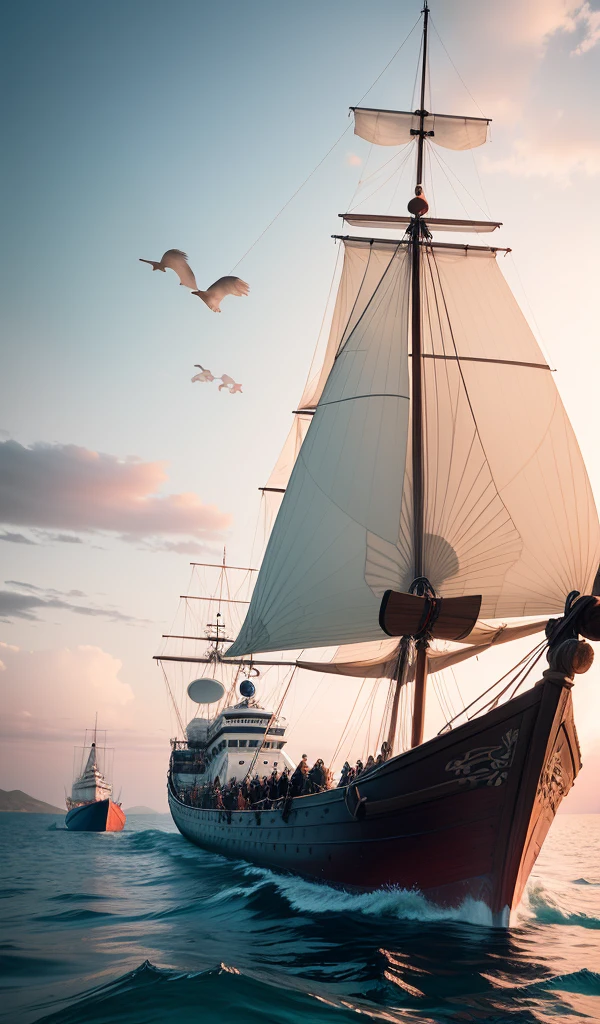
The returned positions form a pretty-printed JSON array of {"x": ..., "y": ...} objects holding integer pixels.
[{"x": 463, "y": 815}]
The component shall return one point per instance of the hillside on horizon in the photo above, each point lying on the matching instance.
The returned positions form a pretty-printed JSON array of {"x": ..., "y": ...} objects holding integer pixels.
[
  {"x": 140, "y": 809},
  {"x": 17, "y": 800}
]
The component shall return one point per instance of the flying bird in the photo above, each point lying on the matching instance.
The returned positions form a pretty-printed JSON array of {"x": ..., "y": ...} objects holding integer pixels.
[
  {"x": 229, "y": 384},
  {"x": 175, "y": 259},
  {"x": 214, "y": 295},
  {"x": 203, "y": 377}
]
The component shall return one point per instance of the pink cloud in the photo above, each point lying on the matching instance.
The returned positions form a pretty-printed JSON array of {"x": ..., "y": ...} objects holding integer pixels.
[
  {"x": 49, "y": 697},
  {"x": 68, "y": 487}
]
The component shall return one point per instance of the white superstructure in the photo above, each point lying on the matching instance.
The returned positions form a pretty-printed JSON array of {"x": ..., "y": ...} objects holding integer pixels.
[
  {"x": 91, "y": 784},
  {"x": 242, "y": 740}
]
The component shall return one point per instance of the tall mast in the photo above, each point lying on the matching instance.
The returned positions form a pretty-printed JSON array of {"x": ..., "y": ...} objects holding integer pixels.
[
  {"x": 416, "y": 362},
  {"x": 417, "y": 206}
]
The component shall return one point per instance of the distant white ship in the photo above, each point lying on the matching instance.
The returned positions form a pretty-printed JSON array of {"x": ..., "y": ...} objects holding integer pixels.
[{"x": 90, "y": 807}]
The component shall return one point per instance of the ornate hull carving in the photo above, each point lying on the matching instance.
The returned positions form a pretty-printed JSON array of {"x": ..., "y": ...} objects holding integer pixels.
[{"x": 464, "y": 814}]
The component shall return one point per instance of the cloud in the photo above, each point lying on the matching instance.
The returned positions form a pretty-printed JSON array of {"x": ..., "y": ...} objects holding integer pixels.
[
  {"x": 524, "y": 64},
  {"x": 182, "y": 547},
  {"x": 16, "y": 538},
  {"x": 587, "y": 20},
  {"x": 53, "y": 690},
  {"x": 49, "y": 697},
  {"x": 15, "y": 605},
  {"x": 64, "y": 487},
  {"x": 60, "y": 538}
]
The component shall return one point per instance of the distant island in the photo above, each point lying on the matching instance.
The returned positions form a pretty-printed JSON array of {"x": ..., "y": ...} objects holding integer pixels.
[
  {"x": 140, "y": 809},
  {"x": 16, "y": 800}
]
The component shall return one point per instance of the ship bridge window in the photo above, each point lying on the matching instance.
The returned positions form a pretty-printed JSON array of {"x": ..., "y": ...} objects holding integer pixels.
[
  {"x": 232, "y": 743},
  {"x": 253, "y": 743},
  {"x": 243, "y": 743}
]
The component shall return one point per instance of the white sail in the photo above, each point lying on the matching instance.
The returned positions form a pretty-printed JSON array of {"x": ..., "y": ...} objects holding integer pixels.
[
  {"x": 363, "y": 269},
  {"x": 379, "y": 659},
  {"x": 509, "y": 512},
  {"x": 347, "y": 480},
  {"x": 395, "y": 128}
]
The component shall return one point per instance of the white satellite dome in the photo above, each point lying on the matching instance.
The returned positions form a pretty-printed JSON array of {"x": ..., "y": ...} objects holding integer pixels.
[
  {"x": 205, "y": 691},
  {"x": 197, "y": 730}
]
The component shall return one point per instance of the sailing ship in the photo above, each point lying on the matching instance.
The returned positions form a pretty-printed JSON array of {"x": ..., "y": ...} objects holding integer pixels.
[
  {"x": 90, "y": 808},
  {"x": 433, "y": 502}
]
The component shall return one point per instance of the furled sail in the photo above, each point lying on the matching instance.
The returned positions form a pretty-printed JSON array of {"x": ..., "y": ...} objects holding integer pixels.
[
  {"x": 387, "y": 222},
  {"x": 509, "y": 512},
  {"x": 379, "y": 659},
  {"x": 396, "y": 127}
]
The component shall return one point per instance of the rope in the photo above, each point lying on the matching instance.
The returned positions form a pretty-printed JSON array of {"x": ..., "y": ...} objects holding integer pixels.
[
  {"x": 432, "y": 23},
  {"x": 324, "y": 158},
  {"x": 272, "y": 719},
  {"x": 534, "y": 655}
]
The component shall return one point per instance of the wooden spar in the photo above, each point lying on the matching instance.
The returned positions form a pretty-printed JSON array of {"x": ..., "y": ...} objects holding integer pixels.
[
  {"x": 418, "y": 721},
  {"x": 417, "y": 408},
  {"x": 225, "y": 661},
  {"x": 218, "y": 565},
  {"x": 399, "y": 683},
  {"x": 178, "y": 636},
  {"x": 215, "y": 600}
]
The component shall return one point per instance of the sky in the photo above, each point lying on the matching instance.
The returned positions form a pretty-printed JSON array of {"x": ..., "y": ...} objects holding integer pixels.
[{"x": 133, "y": 128}]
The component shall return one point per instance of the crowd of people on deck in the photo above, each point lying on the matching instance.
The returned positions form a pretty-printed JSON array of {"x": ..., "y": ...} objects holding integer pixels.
[{"x": 275, "y": 789}]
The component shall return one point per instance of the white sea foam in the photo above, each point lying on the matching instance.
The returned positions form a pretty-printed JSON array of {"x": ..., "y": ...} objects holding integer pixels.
[{"x": 404, "y": 904}]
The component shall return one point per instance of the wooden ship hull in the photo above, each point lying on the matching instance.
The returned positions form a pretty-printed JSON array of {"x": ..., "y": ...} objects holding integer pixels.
[
  {"x": 96, "y": 816},
  {"x": 461, "y": 816}
]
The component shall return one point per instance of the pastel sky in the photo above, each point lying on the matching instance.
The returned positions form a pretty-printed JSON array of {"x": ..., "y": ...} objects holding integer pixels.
[{"x": 132, "y": 128}]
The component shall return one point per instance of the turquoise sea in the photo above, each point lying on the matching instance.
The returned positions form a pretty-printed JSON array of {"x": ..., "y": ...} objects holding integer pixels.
[{"x": 140, "y": 926}]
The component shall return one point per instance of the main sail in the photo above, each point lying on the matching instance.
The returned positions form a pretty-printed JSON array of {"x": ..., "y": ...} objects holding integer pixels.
[{"x": 509, "y": 512}]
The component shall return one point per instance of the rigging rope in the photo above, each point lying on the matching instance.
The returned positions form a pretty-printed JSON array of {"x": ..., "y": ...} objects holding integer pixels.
[
  {"x": 323, "y": 159},
  {"x": 526, "y": 664},
  {"x": 272, "y": 719}
]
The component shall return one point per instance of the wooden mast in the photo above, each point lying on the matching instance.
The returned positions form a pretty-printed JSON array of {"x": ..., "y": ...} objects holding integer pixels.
[
  {"x": 417, "y": 432},
  {"x": 417, "y": 402}
]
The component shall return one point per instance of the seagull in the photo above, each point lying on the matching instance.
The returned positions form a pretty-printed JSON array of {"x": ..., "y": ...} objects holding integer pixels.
[
  {"x": 220, "y": 289},
  {"x": 203, "y": 377},
  {"x": 175, "y": 259},
  {"x": 229, "y": 384}
]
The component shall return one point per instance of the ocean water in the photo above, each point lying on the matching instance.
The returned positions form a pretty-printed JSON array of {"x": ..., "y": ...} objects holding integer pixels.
[{"x": 141, "y": 926}]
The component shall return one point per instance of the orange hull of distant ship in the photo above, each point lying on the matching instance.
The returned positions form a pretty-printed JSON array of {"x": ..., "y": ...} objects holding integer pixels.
[{"x": 96, "y": 816}]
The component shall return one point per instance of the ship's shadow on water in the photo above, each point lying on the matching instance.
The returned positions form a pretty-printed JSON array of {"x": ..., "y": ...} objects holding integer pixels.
[{"x": 142, "y": 926}]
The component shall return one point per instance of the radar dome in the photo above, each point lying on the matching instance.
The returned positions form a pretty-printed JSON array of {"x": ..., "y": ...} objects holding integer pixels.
[
  {"x": 247, "y": 688},
  {"x": 197, "y": 730},
  {"x": 205, "y": 691}
]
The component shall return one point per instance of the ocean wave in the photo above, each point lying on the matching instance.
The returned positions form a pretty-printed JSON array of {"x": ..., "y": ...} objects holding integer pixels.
[
  {"x": 391, "y": 901},
  {"x": 219, "y": 996},
  {"x": 77, "y": 897},
  {"x": 547, "y": 910},
  {"x": 73, "y": 915},
  {"x": 583, "y": 983}
]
